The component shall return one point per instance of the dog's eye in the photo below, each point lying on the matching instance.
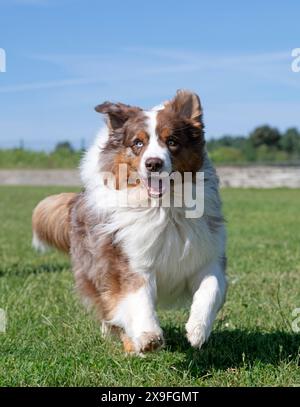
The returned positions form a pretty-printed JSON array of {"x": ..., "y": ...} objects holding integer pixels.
[
  {"x": 172, "y": 143},
  {"x": 138, "y": 143}
]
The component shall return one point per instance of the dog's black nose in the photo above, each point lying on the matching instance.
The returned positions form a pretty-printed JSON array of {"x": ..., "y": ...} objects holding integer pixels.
[{"x": 154, "y": 164}]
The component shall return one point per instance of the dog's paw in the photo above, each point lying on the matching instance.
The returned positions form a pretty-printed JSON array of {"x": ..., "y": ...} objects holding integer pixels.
[
  {"x": 146, "y": 342},
  {"x": 150, "y": 341},
  {"x": 143, "y": 342},
  {"x": 196, "y": 334}
]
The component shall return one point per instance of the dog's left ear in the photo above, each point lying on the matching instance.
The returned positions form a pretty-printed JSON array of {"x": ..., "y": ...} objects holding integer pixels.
[
  {"x": 117, "y": 113},
  {"x": 187, "y": 105}
]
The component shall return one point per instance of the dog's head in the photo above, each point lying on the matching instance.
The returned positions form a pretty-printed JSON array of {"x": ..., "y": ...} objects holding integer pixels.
[{"x": 164, "y": 140}]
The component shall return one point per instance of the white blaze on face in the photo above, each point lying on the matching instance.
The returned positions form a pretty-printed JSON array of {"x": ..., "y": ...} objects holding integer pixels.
[
  {"x": 154, "y": 148},
  {"x": 156, "y": 183}
]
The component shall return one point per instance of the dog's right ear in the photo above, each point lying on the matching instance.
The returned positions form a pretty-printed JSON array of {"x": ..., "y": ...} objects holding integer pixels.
[{"x": 117, "y": 113}]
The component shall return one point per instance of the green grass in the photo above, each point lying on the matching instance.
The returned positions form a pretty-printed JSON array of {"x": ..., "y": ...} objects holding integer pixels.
[
  {"x": 63, "y": 158},
  {"x": 27, "y": 159},
  {"x": 51, "y": 340}
]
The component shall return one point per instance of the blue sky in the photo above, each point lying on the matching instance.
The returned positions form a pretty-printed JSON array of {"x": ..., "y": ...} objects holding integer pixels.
[{"x": 66, "y": 56}]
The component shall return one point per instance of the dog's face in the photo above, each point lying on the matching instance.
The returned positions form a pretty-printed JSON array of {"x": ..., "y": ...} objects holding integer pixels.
[{"x": 156, "y": 142}]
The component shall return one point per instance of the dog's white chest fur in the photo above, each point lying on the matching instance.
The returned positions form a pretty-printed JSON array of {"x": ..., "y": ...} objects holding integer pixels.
[{"x": 162, "y": 241}]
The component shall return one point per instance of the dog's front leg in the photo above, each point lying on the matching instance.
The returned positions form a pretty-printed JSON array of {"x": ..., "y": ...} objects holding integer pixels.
[
  {"x": 136, "y": 314},
  {"x": 207, "y": 300}
]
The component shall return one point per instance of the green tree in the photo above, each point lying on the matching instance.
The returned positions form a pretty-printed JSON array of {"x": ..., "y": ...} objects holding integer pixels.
[
  {"x": 249, "y": 151},
  {"x": 64, "y": 145},
  {"x": 290, "y": 141},
  {"x": 265, "y": 135},
  {"x": 226, "y": 155}
]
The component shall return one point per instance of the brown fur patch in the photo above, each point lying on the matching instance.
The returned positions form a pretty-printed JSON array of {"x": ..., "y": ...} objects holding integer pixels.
[
  {"x": 101, "y": 269},
  {"x": 117, "y": 113},
  {"x": 51, "y": 220},
  {"x": 127, "y": 344},
  {"x": 121, "y": 148},
  {"x": 181, "y": 122}
]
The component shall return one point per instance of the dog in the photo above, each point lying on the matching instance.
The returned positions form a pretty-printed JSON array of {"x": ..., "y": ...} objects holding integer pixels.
[{"x": 127, "y": 259}]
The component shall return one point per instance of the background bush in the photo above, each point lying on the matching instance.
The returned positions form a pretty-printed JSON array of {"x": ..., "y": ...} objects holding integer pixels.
[
  {"x": 62, "y": 157},
  {"x": 264, "y": 145}
]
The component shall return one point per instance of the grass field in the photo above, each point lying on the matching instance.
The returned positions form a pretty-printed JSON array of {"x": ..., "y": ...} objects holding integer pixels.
[
  {"x": 20, "y": 158},
  {"x": 51, "y": 340}
]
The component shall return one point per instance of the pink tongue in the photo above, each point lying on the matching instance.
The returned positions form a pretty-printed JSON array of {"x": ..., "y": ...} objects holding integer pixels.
[{"x": 156, "y": 185}]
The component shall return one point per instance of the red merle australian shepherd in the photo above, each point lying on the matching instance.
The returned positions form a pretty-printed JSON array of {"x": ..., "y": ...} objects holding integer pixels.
[{"x": 129, "y": 249}]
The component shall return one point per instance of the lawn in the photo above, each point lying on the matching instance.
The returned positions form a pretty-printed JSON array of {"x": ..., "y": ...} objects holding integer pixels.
[{"x": 51, "y": 340}]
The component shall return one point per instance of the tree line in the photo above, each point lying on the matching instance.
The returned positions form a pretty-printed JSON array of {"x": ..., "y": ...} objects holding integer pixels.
[{"x": 265, "y": 144}]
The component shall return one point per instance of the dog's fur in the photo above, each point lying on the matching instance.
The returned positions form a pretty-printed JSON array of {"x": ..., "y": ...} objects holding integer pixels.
[{"x": 126, "y": 259}]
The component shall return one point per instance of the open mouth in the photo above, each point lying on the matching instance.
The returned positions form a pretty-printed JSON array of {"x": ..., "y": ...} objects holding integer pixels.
[{"x": 156, "y": 186}]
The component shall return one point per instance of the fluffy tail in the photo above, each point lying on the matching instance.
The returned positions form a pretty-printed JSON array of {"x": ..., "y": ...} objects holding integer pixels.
[{"x": 51, "y": 222}]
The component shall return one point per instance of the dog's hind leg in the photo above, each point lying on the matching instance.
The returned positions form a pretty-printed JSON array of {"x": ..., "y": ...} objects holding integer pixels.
[{"x": 207, "y": 300}]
